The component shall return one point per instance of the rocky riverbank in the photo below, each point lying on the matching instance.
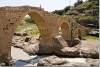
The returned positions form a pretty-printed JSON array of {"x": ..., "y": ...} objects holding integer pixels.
[
  {"x": 21, "y": 58},
  {"x": 27, "y": 47}
]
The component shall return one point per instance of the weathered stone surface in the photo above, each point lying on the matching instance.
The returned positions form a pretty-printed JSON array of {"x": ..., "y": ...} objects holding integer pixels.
[
  {"x": 51, "y": 60},
  {"x": 88, "y": 51},
  {"x": 90, "y": 54},
  {"x": 27, "y": 43},
  {"x": 18, "y": 41},
  {"x": 31, "y": 49},
  {"x": 70, "y": 52},
  {"x": 93, "y": 62}
]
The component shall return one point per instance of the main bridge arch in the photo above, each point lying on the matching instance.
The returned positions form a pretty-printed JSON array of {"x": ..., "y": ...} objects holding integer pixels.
[{"x": 9, "y": 19}]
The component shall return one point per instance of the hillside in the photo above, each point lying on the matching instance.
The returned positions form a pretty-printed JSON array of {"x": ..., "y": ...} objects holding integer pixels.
[{"x": 86, "y": 13}]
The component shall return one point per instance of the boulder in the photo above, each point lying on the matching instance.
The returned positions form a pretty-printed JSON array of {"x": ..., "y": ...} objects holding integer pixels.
[
  {"x": 85, "y": 51},
  {"x": 31, "y": 49},
  {"x": 18, "y": 41},
  {"x": 20, "y": 44},
  {"x": 70, "y": 52},
  {"x": 51, "y": 60},
  {"x": 89, "y": 52},
  {"x": 33, "y": 40},
  {"x": 74, "y": 42},
  {"x": 93, "y": 62}
]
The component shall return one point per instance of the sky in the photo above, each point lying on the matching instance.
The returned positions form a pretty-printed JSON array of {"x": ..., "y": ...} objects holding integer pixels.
[{"x": 48, "y": 5}]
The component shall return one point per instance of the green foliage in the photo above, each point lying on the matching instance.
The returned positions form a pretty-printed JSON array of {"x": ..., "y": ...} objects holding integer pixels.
[
  {"x": 74, "y": 12},
  {"x": 30, "y": 28},
  {"x": 59, "y": 12},
  {"x": 91, "y": 38},
  {"x": 84, "y": 12},
  {"x": 78, "y": 3},
  {"x": 28, "y": 19},
  {"x": 85, "y": 6},
  {"x": 93, "y": 0},
  {"x": 66, "y": 8},
  {"x": 88, "y": 20}
]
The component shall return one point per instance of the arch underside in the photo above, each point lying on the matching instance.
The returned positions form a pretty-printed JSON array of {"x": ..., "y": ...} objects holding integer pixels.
[{"x": 65, "y": 31}]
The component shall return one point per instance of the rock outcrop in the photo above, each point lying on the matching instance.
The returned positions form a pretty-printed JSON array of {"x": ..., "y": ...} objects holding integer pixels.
[
  {"x": 86, "y": 50},
  {"x": 51, "y": 61}
]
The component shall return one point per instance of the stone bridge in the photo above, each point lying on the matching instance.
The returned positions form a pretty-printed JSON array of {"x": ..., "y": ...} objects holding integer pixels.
[{"x": 47, "y": 23}]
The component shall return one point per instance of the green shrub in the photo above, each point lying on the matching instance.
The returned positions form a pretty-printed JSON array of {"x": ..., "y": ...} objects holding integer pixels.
[
  {"x": 74, "y": 12},
  {"x": 28, "y": 19},
  {"x": 88, "y": 20}
]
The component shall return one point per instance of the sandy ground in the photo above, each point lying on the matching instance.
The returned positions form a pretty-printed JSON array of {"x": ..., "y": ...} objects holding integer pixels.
[{"x": 19, "y": 56}]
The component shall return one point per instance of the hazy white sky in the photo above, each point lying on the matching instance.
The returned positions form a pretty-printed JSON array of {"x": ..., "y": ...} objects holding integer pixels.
[{"x": 49, "y": 5}]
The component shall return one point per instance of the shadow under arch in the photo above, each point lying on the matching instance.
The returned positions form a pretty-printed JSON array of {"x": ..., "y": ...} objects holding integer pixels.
[
  {"x": 65, "y": 31},
  {"x": 69, "y": 35},
  {"x": 64, "y": 28}
]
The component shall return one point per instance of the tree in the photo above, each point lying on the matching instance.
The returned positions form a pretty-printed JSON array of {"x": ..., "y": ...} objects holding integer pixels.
[
  {"x": 27, "y": 18},
  {"x": 78, "y": 2},
  {"x": 59, "y": 12}
]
